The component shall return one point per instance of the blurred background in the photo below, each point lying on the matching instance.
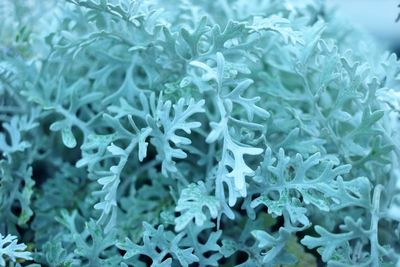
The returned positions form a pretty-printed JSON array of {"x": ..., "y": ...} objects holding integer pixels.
[{"x": 378, "y": 17}]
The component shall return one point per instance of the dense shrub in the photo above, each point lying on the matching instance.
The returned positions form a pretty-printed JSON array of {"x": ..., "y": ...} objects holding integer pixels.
[{"x": 195, "y": 133}]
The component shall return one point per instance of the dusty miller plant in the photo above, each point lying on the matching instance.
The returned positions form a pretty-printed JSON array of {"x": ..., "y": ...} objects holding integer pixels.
[{"x": 195, "y": 133}]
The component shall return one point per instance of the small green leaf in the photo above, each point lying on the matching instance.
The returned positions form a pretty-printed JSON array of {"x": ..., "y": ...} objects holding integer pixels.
[{"x": 68, "y": 137}]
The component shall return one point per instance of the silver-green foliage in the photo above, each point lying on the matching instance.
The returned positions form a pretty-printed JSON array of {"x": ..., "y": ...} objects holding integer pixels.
[{"x": 195, "y": 133}]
